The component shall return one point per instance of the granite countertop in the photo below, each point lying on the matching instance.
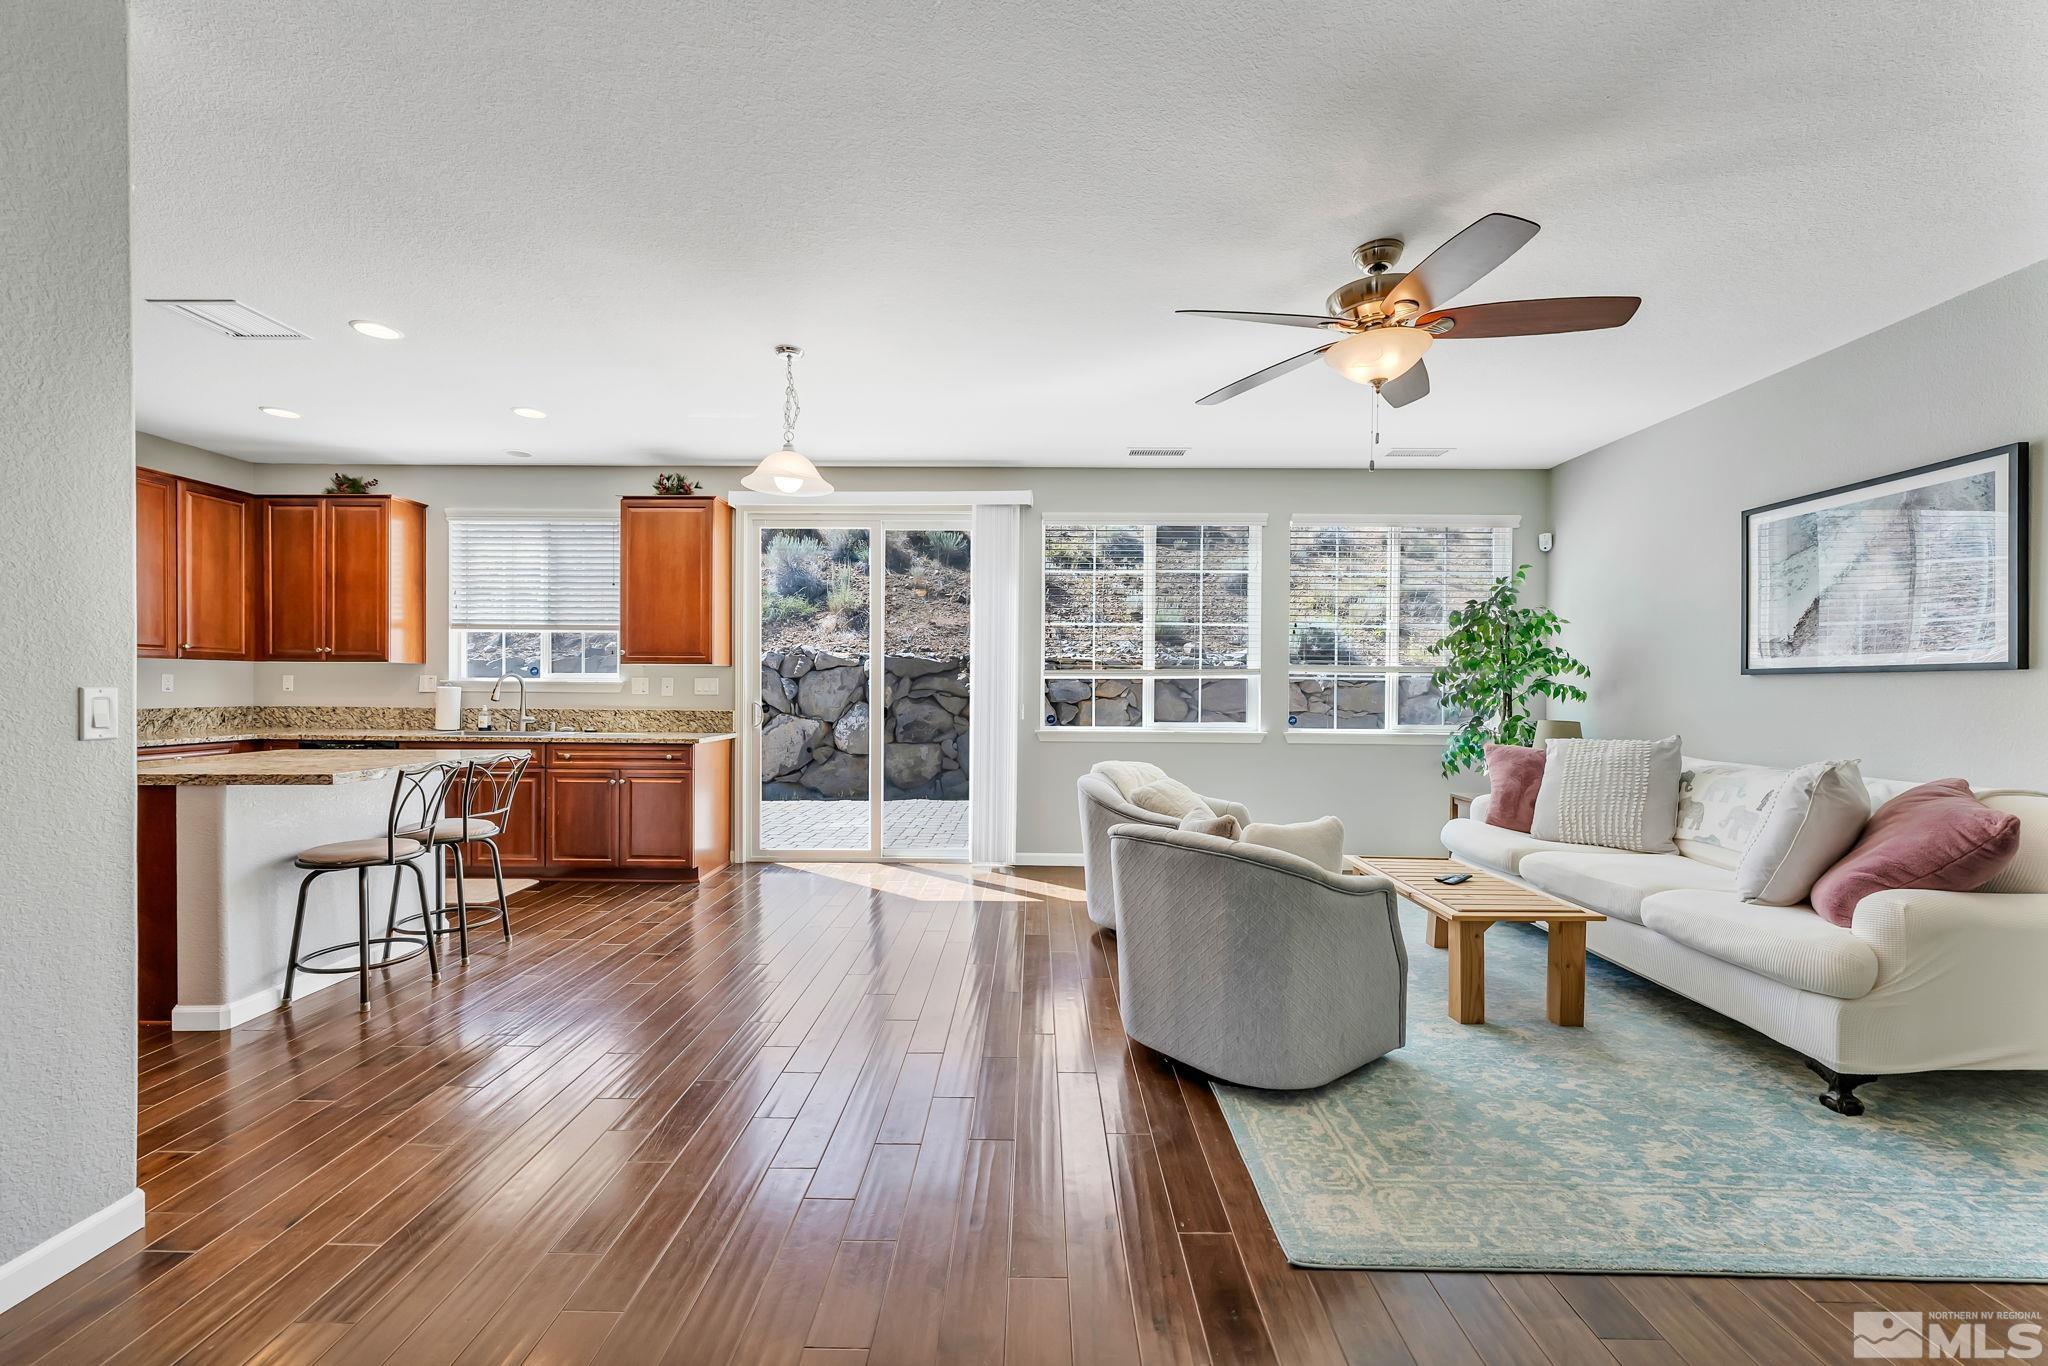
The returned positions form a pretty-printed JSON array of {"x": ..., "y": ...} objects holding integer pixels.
[
  {"x": 552, "y": 737},
  {"x": 293, "y": 767}
]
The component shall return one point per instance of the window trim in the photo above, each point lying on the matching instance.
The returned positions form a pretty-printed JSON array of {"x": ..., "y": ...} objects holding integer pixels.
[
  {"x": 1253, "y": 726},
  {"x": 1394, "y": 733}
]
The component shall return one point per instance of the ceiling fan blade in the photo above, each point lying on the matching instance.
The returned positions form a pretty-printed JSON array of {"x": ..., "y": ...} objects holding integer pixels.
[
  {"x": 1404, "y": 388},
  {"x": 1282, "y": 319},
  {"x": 1531, "y": 317},
  {"x": 1458, "y": 263},
  {"x": 1270, "y": 372}
]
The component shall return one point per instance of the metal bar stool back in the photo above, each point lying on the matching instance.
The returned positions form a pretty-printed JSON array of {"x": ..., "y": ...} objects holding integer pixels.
[
  {"x": 417, "y": 793},
  {"x": 489, "y": 788}
]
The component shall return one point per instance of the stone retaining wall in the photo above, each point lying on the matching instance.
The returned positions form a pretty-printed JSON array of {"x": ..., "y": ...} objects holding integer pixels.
[{"x": 816, "y": 718}]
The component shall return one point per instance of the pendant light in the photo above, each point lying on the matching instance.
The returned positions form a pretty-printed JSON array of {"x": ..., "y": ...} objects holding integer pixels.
[{"x": 785, "y": 472}]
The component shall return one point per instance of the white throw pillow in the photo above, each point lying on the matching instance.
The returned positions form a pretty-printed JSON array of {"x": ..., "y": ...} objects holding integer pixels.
[
  {"x": 1209, "y": 823},
  {"x": 1321, "y": 842},
  {"x": 1811, "y": 821},
  {"x": 1170, "y": 798},
  {"x": 2028, "y": 872},
  {"x": 1618, "y": 794}
]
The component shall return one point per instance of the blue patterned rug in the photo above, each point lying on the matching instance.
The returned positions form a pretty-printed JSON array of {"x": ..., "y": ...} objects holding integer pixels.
[{"x": 1661, "y": 1137}]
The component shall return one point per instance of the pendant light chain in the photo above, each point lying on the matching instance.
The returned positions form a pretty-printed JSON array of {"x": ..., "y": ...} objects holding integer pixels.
[{"x": 791, "y": 409}]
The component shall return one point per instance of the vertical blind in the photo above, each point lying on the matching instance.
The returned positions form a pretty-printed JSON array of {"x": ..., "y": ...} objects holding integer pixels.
[
  {"x": 1377, "y": 597},
  {"x": 559, "y": 573}
]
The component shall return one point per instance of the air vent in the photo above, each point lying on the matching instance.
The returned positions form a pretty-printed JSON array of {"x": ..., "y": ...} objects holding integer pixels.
[
  {"x": 1415, "y": 452},
  {"x": 231, "y": 319},
  {"x": 1157, "y": 452}
]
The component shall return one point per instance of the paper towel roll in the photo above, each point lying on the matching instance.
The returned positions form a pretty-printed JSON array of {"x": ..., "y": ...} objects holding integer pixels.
[{"x": 447, "y": 708}]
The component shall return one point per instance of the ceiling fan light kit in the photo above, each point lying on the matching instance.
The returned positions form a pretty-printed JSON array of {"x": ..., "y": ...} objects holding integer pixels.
[
  {"x": 785, "y": 471},
  {"x": 1388, "y": 320}
]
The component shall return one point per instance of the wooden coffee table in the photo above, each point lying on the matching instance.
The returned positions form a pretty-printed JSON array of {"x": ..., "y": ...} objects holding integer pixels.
[{"x": 1460, "y": 916}]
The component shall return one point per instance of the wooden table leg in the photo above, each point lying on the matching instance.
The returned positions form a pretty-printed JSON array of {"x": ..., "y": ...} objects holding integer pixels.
[
  {"x": 1468, "y": 971},
  {"x": 1439, "y": 930},
  {"x": 1567, "y": 993}
]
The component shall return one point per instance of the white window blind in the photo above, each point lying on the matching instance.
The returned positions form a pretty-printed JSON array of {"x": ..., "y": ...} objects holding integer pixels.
[
  {"x": 1365, "y": 603},
  {"x": 531, "y": 572},
  {"x": 1151, "y": 624}
]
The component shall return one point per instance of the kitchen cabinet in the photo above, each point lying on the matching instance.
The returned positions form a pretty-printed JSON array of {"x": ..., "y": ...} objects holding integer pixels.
[
  {"x": 195, "y": 552},
  {"x": 156, "y": 565},
  {"x": 612, "y": 810},
  {"x": 675, "y": 581},
  {"x": 344, "y": 578}
]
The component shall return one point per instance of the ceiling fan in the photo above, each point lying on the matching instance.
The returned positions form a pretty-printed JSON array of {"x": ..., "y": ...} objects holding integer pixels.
[{"x": 1388, "y": 319}]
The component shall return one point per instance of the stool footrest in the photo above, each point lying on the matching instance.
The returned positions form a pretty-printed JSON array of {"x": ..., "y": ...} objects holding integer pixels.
[{"x": 413, "y": 942}]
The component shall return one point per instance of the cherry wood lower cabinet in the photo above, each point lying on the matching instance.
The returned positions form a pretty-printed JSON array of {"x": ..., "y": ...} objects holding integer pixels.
[{"x": 660, "y": 812}]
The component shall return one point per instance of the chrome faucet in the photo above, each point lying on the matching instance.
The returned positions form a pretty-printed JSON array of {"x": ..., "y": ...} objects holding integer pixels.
[{"x": 525, "y": 720}]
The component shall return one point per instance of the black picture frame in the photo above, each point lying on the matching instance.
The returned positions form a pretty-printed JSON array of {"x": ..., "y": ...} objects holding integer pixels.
[{"x": 2018, "y": 570}]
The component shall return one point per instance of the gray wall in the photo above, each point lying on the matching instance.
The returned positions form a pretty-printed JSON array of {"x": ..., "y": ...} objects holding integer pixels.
[
  {"x": 67, "y": 901},
  {"x": 1390, "y": 795},
  {"x": 1647, "y": 562}
]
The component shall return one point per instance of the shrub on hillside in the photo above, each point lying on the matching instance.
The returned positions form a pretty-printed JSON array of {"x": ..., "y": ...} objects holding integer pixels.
[{"x": 795, "y": 568}]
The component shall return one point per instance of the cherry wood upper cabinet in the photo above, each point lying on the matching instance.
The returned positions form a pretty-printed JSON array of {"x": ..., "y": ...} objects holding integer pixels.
[
  {"x": 156, "y": 565},
  {"x": 216, "y": 559},
  {"x": 675, "y": 581},
  {"x": 294, "y": 578},
  {"x": 344, "y": 578}
]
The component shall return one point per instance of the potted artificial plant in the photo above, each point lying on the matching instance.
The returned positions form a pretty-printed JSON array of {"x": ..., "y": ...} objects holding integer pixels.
[{"x": 1496, "y": 656}]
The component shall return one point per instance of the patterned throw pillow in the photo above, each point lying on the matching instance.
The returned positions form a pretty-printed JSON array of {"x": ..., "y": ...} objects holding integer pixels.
[
  {"x": 1618, "y": 794},
  {"x": 1720, "y": 809}
]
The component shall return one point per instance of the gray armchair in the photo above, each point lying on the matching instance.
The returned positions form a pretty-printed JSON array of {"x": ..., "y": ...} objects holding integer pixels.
[
  {"x": 1254, "y": 965},
  {"x": 1103, "y": 804}
]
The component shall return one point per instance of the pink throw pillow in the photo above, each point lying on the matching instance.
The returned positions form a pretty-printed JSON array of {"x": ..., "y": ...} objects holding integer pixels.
[
  {"x": 1514, "y": 774},
  {"x": 1936, "y": 836}
]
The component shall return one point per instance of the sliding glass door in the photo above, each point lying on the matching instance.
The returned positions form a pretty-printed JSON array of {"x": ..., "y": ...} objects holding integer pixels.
[{"x": 860, "y": 709}]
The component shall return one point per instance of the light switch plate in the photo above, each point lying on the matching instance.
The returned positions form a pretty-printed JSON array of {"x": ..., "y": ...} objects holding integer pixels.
[
  {"x": 99, "y": 713},
  {"x": 668, "y": 687},
  {"x": 285, "y": 683},
  {"x": 640, "y": 686},
  {"x": 706, "y": 687},
  {"x": 168, "y": 682},
  {"x": 429, "y": 682}
]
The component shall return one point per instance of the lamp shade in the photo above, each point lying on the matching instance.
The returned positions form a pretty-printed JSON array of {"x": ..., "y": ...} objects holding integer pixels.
[
  {"x": 1546, "y": 731},
  {"x": 1378, "y": 355},
  {"x": 787, "y": 473}
]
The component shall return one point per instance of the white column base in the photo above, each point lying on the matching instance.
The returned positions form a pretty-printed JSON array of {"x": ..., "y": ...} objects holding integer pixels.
[{"x": 64, "y": 1253}]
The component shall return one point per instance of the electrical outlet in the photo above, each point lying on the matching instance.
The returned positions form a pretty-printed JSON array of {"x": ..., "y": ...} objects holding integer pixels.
[
  {"x": 707, "y": 687},
  {"x": 169, "y": 682},
  {"x": 286, "y": 683},
  {"x": 429, "y": 682},
  {"x": 640, "y": 686},
  {"x": 668, "y": 687}
]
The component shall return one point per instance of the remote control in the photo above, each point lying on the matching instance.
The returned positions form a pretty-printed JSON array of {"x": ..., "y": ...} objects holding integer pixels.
[{"x": 1453, "y": 879}]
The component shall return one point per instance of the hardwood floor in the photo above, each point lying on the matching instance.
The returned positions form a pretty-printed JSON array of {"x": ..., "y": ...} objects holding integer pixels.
[{"x": 827, "y": 1116}]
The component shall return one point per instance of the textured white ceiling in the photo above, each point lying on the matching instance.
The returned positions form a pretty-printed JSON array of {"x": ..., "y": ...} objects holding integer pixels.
[{"x": 977, "y": 218}]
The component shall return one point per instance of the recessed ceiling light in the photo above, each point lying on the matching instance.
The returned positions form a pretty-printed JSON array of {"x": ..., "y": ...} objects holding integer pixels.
[
  {"x": 534, "y": 413},
  {"x": 520, "y": 455},
  {"x": 378, "y": 330},
  {"x": 279, "y": 412}
]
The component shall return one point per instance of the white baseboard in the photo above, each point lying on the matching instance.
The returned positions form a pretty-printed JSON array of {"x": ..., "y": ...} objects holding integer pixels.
[
  {"x": 251, "y": 1007},
  {"x": 67, "y": 1251},
  {"x": 1048, "y": 860}
]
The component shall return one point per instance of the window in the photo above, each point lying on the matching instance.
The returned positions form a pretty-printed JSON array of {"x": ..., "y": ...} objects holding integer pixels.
[
  {"x": 536, "y": 596},
  {"x": 1364, "y": 604},
  {"x": 1151, "y": 626}
]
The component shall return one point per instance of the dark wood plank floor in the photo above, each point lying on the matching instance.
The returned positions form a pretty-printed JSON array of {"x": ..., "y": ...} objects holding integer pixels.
[{"x": 825, "y": 1116}]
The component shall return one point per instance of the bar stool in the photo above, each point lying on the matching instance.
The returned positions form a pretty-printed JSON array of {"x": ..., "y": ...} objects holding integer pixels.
[
  {"x": 416, "y": 793},
  {"x": 489, "y": 789}
]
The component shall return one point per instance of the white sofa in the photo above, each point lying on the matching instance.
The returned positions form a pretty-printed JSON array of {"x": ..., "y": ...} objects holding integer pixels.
[{"x": 1920, "y": 981}]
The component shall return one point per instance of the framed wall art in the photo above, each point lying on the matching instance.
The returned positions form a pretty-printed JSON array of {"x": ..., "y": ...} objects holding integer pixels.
[{"x": 1920, "y": 570}]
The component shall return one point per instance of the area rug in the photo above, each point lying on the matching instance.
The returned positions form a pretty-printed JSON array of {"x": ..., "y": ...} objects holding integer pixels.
[{"x": 1661, "y": 1137}]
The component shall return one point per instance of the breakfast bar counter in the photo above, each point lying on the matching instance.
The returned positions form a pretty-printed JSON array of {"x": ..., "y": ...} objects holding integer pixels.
[{"x": 217, "y": 835}]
